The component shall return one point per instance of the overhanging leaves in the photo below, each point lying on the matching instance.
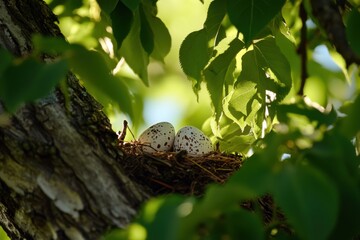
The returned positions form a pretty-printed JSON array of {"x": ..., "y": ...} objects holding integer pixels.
[
  {"x": 160, "y": 43},
  {"x": 95, "y": 72},
  {"x": 250, "y": 17},
  {"x": 91, "y": 67},
  {"x": 263, "y": 69},
  {"x": 146, "y": 33},
  {"x": 270, "y": 56},
  {"x": 122, "y": 19},
  {"x": 195, "y": 50},
  {"x": 29, "y": 80},
  {"x": 134, "y": 53},
  {"x": 194, "y": 54},
  {"x": 216, "y": 72}
]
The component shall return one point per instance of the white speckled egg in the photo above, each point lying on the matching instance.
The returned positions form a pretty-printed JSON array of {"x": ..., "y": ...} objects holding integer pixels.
[
  {"x": 158, "y": 137},
  {"x": 193, "y": 141}
]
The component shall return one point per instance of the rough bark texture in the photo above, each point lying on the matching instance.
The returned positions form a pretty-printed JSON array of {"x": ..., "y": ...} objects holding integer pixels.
[{"x": 60, "y": 168}]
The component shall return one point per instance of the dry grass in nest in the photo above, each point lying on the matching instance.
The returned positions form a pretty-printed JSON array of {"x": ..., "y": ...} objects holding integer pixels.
[{"x": 170, "y": 172}]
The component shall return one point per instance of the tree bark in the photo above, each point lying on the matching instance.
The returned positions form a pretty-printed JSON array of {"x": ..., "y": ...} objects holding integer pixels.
[{"x": 60, "y": 167}]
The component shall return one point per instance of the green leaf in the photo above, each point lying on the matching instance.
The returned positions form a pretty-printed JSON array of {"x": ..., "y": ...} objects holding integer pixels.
[
  {"x": 91, "y": 67},
  {"x": 29, "y": 80},
  {"x": 349, "y": 125},
  {"x": 146, "y": 33},
  {"x": 244, "y": 103},
  {"x": 215, "y": 15},
  {"x": 194, "y": 54},
  {"x": 93, "y": 70},
  {"x": 49, "y": 45},
  {"x": 242, "y": 224},
  {"x": 162, "y": 38},
  {"x": 215, "y": 74},
  {"x": 5, "y": 60},
  {"x": 270, "y": 56},
  {"x": 131, "y": 4},
  {"x": 107, "y": 5},
  {"x": 195, "y": 51},
  {"x": 216, "y": 200},
  {"x": 242, "y": 95},
  {"x": 308, "y": 199},
  {"x": 255, "y": 177},
  {"x": 352, "y": 32},
  {"x": 167, "y": 215},
  {"x": 250, "y": 17},
  {"x": 335, "y": 156},
  {"x": 302, "y": 109},
  {"x": 122, "y": 19},
  {"x": 133, "y": 52}
]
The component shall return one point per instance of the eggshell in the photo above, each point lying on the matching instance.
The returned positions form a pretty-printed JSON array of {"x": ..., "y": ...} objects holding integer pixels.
[
  {"x": 192, "y": 140},
  {"x": 158, "y": 137}
]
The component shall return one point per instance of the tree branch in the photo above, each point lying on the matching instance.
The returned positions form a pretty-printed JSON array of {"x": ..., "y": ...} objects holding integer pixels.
[
  {"x": 60, "y": 165},
  {"x": 328, "y": 15}
]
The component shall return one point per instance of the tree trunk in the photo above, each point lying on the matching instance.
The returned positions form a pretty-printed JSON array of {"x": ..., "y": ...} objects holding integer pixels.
[{"x": 60, "y": 167}]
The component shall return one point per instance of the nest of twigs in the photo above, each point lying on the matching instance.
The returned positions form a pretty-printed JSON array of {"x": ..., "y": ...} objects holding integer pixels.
[{"x": 170, "y": 172}]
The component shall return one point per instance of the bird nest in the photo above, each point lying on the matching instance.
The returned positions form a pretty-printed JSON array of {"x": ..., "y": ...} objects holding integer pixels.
[{"x": 170, "y": 172}]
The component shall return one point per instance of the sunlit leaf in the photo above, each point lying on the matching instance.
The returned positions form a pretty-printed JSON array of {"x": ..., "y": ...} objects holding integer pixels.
[
  {"x": 238, "y": 144},
  {"x": 122, "y": 19},
  {"x": 216, "y": 72},
  {"x": 29, "y": 80},
  {"x": 134, "y": 53},
  {"x": 308, "y": 199},
  {"x": 242, "y": 95},
  {"x": 270, "y": 56},
  {"x": 352, "y": 32},
  {"x": 250, "y": 17}
]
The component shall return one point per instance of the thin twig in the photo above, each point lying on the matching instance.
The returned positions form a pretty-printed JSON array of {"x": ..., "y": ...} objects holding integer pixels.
[{"x": 122, "y": 134}]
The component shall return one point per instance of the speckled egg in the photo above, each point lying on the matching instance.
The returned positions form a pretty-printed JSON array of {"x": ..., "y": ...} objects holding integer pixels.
[
  {"x": 193, "y": 141},
  {"x": 158, "y": 137}
]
